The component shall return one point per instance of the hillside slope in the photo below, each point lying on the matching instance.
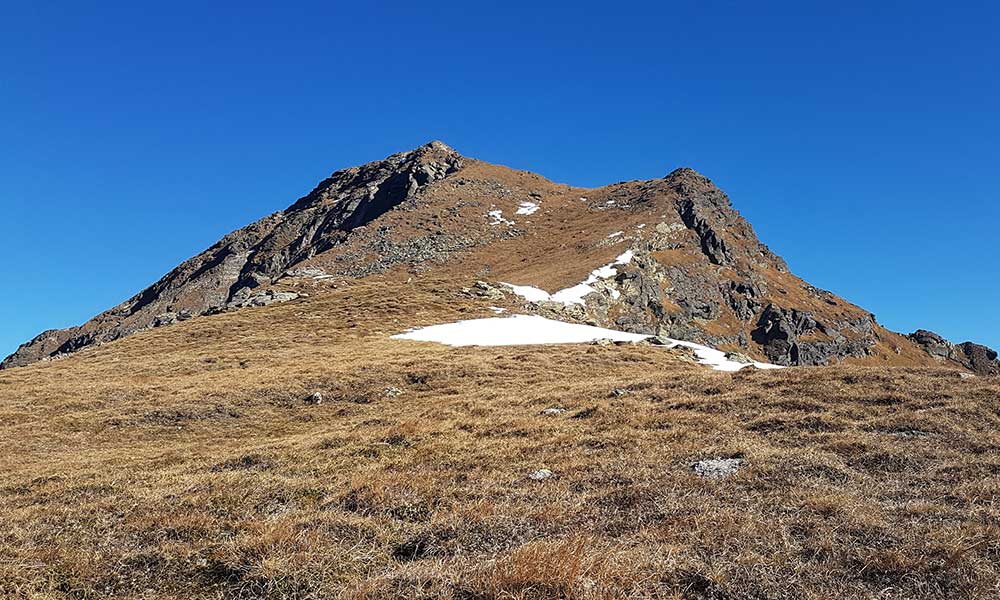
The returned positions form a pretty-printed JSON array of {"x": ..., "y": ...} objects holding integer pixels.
[
  {"x": 296, "y": 451},
  {"x": 699, "y": 272}
]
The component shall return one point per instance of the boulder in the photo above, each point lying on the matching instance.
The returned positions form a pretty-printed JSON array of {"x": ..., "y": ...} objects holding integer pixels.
[
  {"x": 263, "y": 298},
  {"x": 540, "y": 474},
  {"x": 717, "y": 468}
]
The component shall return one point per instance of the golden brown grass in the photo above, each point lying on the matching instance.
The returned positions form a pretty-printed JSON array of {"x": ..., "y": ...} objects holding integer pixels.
[{"x": 183, "y": 463}]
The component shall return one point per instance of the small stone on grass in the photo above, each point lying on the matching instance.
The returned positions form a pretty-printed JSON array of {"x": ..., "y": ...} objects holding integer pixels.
[
  {"x": 717, "y": 468},
  {"x": 540, "y": 474}
]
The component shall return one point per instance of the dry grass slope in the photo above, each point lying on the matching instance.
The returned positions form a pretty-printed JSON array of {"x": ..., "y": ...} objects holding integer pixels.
[{"x": 184, "y": 463}]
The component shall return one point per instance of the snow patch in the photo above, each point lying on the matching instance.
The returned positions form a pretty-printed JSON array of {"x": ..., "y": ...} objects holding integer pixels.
[
  {"x": 527, "y": 330},
  {"x": 497, "y": 216},
  {"x": 529, "y": 293},
  {"x": 516, "y": 330},
  {"x": 601, "y": 273},
  {"x": 717, "y": 358},
  {"x": 576, "y": 293},
  {"x": 497, "y": 309},
  {"x": 625, "y": 258},
  {"x": 572, "y": 295},
  {"x": 527, "y": 208},
  {"x": 616, "y": 234}
]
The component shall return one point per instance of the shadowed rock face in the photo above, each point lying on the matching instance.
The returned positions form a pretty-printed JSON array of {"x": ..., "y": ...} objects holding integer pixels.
[{"x": 698, "y": 273}]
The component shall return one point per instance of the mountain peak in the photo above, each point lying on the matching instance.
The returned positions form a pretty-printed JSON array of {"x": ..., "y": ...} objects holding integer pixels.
[
  {"x": 439, "y": 145},
  {"x": 434, "y": 150},
  {"x": 681, "y": 171},
  {"x": 687, "y": 173},
  {"x": 700, "y": 273}
]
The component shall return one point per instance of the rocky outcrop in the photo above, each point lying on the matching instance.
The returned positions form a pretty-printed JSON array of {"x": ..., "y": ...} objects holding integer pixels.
[
  {"x": 793, "y": 337},
  {"x": 978, "y": 359},
  {"x": 933, "y": 344},
  {"x": 723, "y": 235}
]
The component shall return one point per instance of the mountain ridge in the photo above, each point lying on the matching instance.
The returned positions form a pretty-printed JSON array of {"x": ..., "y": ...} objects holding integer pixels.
[{"x": 700, "y": 271}]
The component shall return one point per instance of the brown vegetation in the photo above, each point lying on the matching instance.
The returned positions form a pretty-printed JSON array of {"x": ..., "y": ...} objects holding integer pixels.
[{"x": 184, "y": 462}]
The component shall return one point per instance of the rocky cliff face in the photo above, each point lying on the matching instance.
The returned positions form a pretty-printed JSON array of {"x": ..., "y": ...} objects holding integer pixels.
[{"x": 698, "y": 271}]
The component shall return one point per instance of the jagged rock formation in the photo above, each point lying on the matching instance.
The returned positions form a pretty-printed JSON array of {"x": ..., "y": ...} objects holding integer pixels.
[
  {"x": 974, "y": 357},
  {"x": 698, "y": 270}
]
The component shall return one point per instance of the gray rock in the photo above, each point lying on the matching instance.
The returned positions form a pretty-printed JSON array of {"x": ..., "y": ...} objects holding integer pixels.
[
  {"x": 668, "y": 228},
  {"x": 933, "y": 344},
  {"x": 308, "y": 272},
  {"x": 739, "y": 357},
  {"x": 263, "y": 298},
  {"x": 717, "y": 468},
  {"x": 164, "y": 319},
  {"x": 908, "y": 433},
  {"x": 314, "y": 398},
  {"x": 488, "y": 291},
  {"x": 540, "y": 474},
  {"x": 391, "y": 392},
  {"x": 552, "y": 411}
]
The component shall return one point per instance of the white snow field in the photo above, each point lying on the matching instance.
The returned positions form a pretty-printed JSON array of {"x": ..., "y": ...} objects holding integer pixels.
[
  {"x": 527, "y": 330},
  {"x": 574, "y": 294},
  {"x": 516, "y": 330}
]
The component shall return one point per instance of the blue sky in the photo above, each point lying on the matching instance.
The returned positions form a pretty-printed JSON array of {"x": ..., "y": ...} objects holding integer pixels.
[{"x": 862, "y": 140}]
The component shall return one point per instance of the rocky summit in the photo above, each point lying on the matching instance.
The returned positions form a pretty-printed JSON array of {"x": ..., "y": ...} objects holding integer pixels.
[{"x": 696, "y": 270}]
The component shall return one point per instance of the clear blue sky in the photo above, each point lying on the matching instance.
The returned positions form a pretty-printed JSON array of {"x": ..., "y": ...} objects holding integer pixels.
[{"x": 861, "y": 139}]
